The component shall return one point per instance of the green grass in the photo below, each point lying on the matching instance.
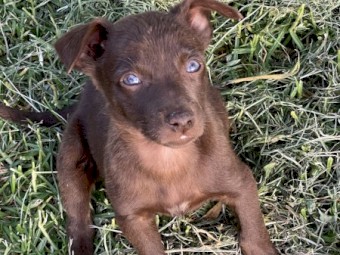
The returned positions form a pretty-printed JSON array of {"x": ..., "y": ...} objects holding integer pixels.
[{"x": 286, "y": 128}]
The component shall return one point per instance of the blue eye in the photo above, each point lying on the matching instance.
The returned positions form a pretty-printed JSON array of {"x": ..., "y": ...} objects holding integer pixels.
[
  {"x": 193, "y": 66},
  {"x": 131, "y": 80}
]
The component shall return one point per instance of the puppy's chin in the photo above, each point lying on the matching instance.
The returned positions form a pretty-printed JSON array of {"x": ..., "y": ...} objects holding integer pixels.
[
  {"x": 178, "y": 143},
  {"x": 173, "y": 139},
  {"x": 168, "y": 138}
]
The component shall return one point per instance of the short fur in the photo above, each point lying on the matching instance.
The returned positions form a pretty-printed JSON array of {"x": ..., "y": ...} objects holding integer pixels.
[{"x": 152, "y": 128}]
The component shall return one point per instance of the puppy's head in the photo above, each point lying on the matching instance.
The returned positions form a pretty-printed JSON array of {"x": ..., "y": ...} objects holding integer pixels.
[{"x": 150, "y": 67}]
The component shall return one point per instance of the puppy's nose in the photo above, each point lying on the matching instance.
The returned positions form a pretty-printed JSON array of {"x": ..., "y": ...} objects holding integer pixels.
[{"x": 180, "y": 121}]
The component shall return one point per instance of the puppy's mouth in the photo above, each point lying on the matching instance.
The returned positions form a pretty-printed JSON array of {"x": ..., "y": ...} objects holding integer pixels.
[
  {"x": 182, "y": 141},
  {"x": 169, "y": 138},
  {"x": 176, "y": 130}
]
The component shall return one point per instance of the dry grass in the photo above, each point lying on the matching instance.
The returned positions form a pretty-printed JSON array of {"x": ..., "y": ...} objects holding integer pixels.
[{"x": 287, "y": 128}]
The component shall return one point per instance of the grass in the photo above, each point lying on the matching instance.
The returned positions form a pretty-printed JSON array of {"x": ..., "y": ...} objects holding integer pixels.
[{"x": 285, "y": 126}]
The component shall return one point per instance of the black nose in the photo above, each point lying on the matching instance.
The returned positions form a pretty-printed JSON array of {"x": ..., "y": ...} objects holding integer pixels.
[{"x": 180, "y": 121}]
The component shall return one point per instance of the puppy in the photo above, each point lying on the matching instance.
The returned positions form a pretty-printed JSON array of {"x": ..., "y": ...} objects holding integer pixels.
[{"x": 152, "y": 127}]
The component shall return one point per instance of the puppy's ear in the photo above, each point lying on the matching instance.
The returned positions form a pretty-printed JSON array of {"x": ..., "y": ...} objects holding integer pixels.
[
  {"x": 81, "y": 47},
  {"x": 196, "y": 14}
]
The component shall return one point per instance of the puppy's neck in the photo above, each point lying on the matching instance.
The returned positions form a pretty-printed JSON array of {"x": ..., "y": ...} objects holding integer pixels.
[{"x": 159, "y": 160}]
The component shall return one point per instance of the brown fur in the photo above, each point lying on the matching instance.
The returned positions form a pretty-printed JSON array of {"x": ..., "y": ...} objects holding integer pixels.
[{"x": 161, "y": 144}]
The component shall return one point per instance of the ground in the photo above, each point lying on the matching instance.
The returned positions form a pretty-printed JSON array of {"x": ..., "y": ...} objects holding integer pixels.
[{"x": 285, "y": 119}]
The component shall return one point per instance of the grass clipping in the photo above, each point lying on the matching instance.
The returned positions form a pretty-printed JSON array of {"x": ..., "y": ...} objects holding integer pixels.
[
  {"x": 286, "y": 125},
  {"x": 275, "y": 77}
]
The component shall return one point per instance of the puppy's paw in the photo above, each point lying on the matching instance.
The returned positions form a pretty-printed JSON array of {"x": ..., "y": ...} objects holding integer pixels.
[
  {"x": 264, "y": 248},
  {"x": 80, "y": 246}
]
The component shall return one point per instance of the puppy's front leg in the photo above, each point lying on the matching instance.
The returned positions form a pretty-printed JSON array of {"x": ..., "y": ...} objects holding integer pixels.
[
  {"x": 76, "y": 176},
  {"x": 254, "y": 237},
  {"x": 142, "y": 233}
]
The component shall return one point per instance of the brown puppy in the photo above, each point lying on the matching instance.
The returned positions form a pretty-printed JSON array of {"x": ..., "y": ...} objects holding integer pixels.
[{"x": 152, "y": 127}]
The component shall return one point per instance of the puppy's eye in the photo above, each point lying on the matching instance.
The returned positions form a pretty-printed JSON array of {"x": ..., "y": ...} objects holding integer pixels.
[
  {"x": 131, "y": 80},
  {"x": 193, "y": 66}
]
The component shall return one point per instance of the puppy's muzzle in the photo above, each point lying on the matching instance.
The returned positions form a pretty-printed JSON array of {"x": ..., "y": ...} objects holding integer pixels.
[
  {"x": 180, "y": 126},
  {"x": 180, "y": 121}
]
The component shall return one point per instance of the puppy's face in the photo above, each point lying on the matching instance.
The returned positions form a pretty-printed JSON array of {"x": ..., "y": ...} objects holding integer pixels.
[
  {"x": 154, "y": 74},
  {"x": 150, "y": 67}
]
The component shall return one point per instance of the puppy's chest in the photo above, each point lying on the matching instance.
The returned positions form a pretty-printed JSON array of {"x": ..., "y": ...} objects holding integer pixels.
[
  {"x": 167, "y": 162},
  {"x": 179, "y": 199},
  {"x": 176, "y": 181}
]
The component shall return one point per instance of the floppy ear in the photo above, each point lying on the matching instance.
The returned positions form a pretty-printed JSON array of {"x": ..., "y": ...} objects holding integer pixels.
[
  {"x": 81, "y": 47},
  {"x": 196, "y": 14}
]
